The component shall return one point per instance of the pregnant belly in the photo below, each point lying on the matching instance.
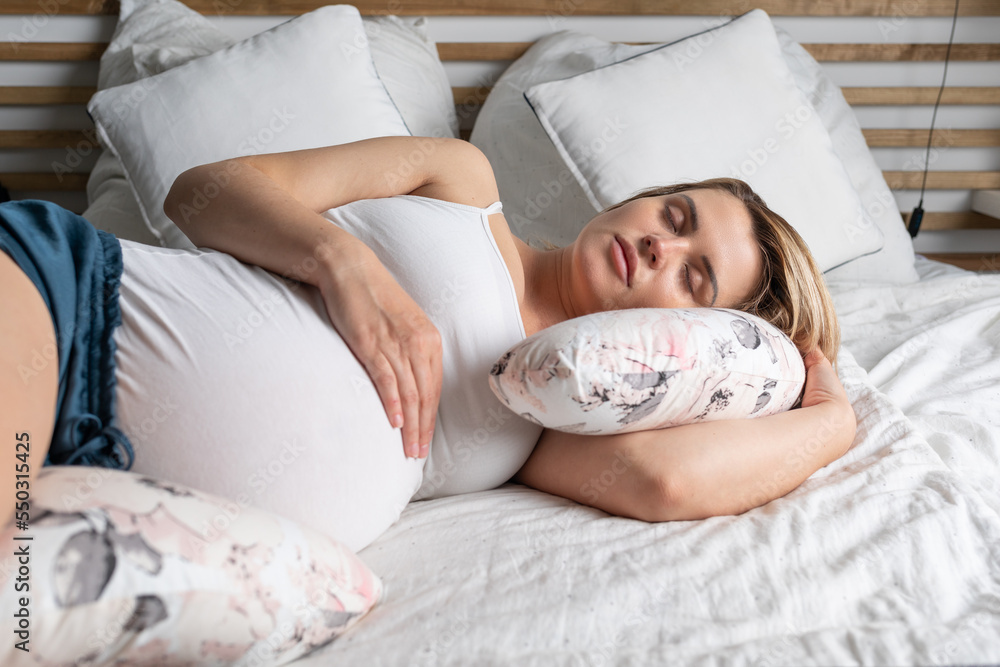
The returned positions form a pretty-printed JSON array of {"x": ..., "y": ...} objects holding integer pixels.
[{"x": 232, "y": 380}]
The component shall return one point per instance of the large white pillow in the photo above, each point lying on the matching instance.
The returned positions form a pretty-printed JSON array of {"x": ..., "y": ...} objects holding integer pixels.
[
  {"x": 649, "y": 368},
  {"x": 243, "y": 100},
  {"x": 150, "y": 35},
  {"x": 153, "y": 36},
  {"x": 408, "y": 63},
  {"x": 543, "y": 201},
  {"x": 729, "y": 109}
]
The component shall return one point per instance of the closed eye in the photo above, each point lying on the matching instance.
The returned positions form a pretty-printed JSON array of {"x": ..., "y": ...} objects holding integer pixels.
[
  {"x": 670, "y": 219},
  {"x": 687, "y": 279}
]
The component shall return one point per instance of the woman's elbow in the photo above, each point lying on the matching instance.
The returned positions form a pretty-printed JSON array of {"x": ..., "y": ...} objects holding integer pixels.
[
  {"x": 667, "y": 499},
  {"x": 180, "y": 204},
  {"x": 680, "y": 499},
  {"x": 194, "y": 190}
]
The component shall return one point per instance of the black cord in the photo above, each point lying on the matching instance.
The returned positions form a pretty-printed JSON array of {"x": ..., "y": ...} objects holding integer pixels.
[{"x": 918, "y": 213}]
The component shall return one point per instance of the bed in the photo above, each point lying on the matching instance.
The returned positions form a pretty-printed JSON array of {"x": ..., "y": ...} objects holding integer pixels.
[{"x": 890, "y": 555}]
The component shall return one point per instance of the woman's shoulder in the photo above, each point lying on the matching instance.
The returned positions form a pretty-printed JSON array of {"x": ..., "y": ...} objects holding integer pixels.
[{"x": 468, "y": 178}]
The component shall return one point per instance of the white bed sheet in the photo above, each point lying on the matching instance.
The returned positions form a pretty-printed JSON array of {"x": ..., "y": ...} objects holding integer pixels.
[
  {"x": 934, "y": 349},
  {"x": 890, "y": 555}
]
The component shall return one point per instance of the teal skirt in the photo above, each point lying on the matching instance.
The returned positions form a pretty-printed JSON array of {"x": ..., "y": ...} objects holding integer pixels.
[{"x": 77, "y": 269}]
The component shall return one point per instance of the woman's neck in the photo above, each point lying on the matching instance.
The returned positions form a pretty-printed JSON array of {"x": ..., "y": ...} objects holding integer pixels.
[{"x": 546, "y": 273}]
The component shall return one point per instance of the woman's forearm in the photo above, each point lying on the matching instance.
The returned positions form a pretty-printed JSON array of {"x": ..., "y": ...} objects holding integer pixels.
[
  {"x": 728, "y": 467},
  {"x": 265, "y": 209},
  {"x": 256, "y": 221}
]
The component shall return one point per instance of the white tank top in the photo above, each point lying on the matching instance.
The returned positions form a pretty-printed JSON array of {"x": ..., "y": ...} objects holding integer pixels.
[
  {"x": 232, "y": 380},
  {"x": 445, "y": 257}
]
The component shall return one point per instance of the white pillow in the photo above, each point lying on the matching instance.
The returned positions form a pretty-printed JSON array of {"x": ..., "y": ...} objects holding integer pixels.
[
  {"x": 730, "y": 109},
  {"x": 408, "y": 63},
  {"x": 165, "y": 31},
  {"x": 292, "y": 87},
  {"x": 648, "y": 368},
  {"x": 543, "y": 201},
  {"x": 153, "y": 36}
]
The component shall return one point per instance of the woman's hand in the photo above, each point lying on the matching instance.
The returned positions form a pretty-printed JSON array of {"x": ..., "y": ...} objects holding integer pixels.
[
  {"x": 393, "y": 339},
  {"x": 823, "y": 387},
  {"x": 269, "y": 213}
]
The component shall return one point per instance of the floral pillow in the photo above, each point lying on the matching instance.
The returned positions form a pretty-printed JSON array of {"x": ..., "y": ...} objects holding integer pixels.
[
  {"x": 649, "y": 368},
  {"x": 131, "y": 570}
]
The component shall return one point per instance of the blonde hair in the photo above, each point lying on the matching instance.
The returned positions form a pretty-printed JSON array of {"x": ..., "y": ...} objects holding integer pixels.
[{"x": 791, "y": 293}]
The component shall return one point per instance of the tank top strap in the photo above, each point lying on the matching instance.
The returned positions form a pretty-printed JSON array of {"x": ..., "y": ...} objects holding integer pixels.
[{"x": 495, "y": 207}]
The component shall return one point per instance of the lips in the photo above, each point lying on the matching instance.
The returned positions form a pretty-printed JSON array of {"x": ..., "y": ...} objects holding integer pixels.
[{"x": 626, "y": 258}]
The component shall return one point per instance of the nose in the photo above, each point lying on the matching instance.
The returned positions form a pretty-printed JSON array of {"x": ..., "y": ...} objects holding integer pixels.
[{"x": 662, "y": 247}]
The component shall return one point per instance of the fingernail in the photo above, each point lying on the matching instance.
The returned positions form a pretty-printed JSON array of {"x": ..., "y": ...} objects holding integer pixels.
[
  {"x": 423, "y": 450},
  {"x": 397, "y": 421}
]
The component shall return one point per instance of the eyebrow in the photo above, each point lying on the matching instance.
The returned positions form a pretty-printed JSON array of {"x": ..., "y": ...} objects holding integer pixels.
[{"x": 693, "y": 215}]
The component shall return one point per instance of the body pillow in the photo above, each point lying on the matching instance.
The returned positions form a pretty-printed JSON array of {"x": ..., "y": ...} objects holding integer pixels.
[
  {"x": 126, "y": 569},
  {"x": 647, "y": 368}
]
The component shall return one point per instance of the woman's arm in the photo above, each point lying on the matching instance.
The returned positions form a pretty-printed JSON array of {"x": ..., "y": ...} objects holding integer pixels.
[
  {"x": 704, "y": 469},
  {"x": 266, "y": 210}
]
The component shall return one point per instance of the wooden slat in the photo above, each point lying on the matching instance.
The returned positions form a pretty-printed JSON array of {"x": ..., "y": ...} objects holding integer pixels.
[
  {"x": 973, "y": 261},
  {"x": 543, "y": 7},
  {"x": 951, "y": 220},
  {"x": 471, "y": 95},
  {"x": 901, "y": 52},
  {"x": 481, "y": 50},
  {"x": 51, "y": 51},
  {"x": 43, "y": 138},
  {"x": 943, "y": 180},
  {"x": 25, "y": 95},
  {"x": 902, "y": 95},
  {"x": 45, "y": 182},
  {"x": 942, "y": 137},
  {"x": 50, "y": 7}
]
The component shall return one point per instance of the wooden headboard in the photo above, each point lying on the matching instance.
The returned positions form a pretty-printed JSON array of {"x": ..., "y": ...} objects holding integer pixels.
[{"x": 20, "y": 47}]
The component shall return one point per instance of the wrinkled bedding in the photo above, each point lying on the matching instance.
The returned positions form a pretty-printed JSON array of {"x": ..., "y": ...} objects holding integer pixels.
[
  {"x": 934, "y": 349},
  {"x": 890, "y": 555}
]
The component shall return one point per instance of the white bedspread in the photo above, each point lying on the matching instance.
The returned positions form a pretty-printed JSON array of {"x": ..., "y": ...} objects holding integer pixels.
[
  {"x": 890, "y": 555},
  {"x": 934, "y": 349}
]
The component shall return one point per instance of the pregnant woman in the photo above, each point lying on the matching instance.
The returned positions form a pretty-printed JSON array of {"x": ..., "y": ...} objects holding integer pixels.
[{"x": 325, "y": 353}]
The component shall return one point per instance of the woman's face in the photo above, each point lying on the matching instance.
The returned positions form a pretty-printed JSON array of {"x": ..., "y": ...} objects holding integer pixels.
[{"x": 686, "y": 250}]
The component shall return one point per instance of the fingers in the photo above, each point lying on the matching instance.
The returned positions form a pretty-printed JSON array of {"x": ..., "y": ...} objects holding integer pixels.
[
  {"x": 427, "y": 376},
  {"x": 398, "y": 346},
  {"x": 822, "y": 383},
  {"x": 813, "y": 357},
  {"x": 819, "y": 370},
  {"x": 408, "y": 377}
]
